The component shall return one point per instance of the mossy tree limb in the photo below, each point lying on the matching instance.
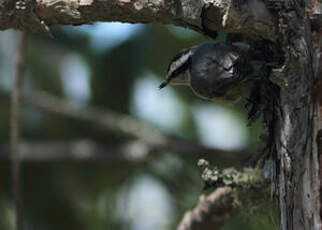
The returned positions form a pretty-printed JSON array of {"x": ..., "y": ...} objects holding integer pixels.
[{"x": 247, "y": 190}]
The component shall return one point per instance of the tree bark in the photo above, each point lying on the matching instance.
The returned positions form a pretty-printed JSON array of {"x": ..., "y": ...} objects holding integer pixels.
[
  {"x": 296, "y": 181},
  {"x": 37, "y": 15}
]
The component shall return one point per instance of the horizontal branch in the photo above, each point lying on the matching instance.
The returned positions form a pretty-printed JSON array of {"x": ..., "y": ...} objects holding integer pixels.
[
  {"x": 84, "y": 150},
  {"x": 88, "y": 150},
  {"x": 152, "y": 139},
  {"x": 251, "y": 18}
]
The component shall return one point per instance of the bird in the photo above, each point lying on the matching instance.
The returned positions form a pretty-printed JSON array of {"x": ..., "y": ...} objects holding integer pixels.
[{"x": 216, "y": 71}]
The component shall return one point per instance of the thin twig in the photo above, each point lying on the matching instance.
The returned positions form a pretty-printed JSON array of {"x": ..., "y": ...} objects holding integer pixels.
[
  {"x": 211, "y": 212},
  {"x": 14, "y": 131},
  {"x": 89, "y": 150}
]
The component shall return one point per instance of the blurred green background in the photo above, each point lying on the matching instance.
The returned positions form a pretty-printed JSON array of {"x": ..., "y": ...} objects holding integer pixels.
[{"x": 118, "y": 67}]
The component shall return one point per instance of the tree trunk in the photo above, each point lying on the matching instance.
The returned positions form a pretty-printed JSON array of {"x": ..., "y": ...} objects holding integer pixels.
[{"x": 295, "y": 123}]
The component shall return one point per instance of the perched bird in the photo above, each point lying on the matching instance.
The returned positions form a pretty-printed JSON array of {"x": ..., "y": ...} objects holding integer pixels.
[{"x": 216, "y": 71}]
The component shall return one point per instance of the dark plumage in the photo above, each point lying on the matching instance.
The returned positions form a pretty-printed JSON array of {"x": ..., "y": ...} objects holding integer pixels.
[{"x": 215, "y": 70}]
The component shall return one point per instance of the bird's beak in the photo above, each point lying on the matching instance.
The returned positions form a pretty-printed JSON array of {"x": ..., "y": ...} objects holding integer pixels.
[
  {"x": 164, "y": 84},
  {"x": 182, "y": 79}
]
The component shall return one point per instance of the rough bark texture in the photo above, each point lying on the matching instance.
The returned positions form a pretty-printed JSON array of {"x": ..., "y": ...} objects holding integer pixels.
[
  {"x": 295, "y": 157},
  {"x": 315, "y": 14},
  {"x": 318, "y": 106},
  {"x": 37, "y": 15}
]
